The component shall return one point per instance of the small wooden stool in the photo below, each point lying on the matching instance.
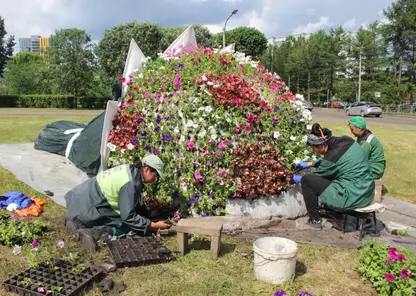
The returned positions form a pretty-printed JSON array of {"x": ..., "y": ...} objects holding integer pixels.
[
  {"x": 362, "y": 215},
  {"x": 201, "y": 226}
]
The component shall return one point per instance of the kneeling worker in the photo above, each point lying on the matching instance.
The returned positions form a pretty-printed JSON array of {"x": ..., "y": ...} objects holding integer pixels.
[
  {"x": 370, "y": 144},
  {"x": 111, "y": 203}
]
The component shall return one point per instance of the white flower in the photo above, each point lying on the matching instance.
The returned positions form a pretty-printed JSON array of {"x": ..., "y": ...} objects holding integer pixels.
[
  {"x": 190, "y": 123},
  {"x": 160, "y": 108},
  {"x": 22, "y": 233},
  {"x": 180, "y": 113},
  {"x": 176, "y": 130},
  {"x": 17, "y": 250},
  {"x": 276, "y": 134},
  {"x": 314, "y": 157},
  {"x": 306, "y": 152},
  {"x": 202, "y": 133},
  {"x": 304, "y": 139},
  {"x": 216, "y": 86},
  {"x": 122, "y": 151},
  {"x": 297, "y": 160},
  {"x": 140, "y": 75},
  {"x": 208, "y": 109},
  {"x": 289, "y": 152},
  {"x": 227, "y": 119},
  {"x": 204, "y": 78},
  {"x": 292, "y": 138},
  {"x": 112, "y": 147},
  {"x": 162, "y": 68},
  {"x": 130, "y": 146},
  {"x": 182, "y": 139},
  {"x": 210, "y": 83}
]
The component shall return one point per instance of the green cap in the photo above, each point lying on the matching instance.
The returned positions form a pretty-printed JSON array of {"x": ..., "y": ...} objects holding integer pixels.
[
  {"x": 154, "y": 162},
  {"x": 358, "y": 121}
]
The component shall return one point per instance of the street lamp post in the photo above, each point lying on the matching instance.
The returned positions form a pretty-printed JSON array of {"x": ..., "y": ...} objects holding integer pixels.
[
  {"x": 225, "y": 25},
  {"x": 359, "y": 79}
]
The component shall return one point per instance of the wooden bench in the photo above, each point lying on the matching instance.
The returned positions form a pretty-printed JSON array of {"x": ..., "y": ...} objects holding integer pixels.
[{"x": 201, "y": 226}]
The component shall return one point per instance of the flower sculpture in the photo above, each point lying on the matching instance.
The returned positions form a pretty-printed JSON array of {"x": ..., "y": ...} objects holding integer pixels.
[{"x": 223, "y": 125}]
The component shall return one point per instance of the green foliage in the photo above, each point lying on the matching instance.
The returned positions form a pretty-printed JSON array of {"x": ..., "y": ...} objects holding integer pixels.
[
  {"x": 9, "y": 101},
  {"x": 72, "y": 61},
  {"x": 250, "y": 41},
  {"x": 26, "y": 73},
  {"x": 6, "y": 47},
  {"x": 78, "y": 269},
  {"x": 113, "y": 48},
  {"x": 16, "y": 232},
  {"x": 389, "y": 270}
]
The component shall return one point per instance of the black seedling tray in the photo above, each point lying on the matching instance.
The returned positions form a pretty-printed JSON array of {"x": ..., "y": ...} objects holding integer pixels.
[
  {"x": 138, "y": 251},
  {"x": 46, "y": 277}
]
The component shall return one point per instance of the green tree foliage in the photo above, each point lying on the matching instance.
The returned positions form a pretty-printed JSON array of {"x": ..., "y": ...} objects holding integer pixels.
[
  {"x": 26, "y": 73},
  {"x": 113, "y": 48},
  {"x": 202, "y": 34},
  {"x": 6, "y": 47},
  {"x": 72, "y": 61},
  {"x": 400, "y": 34},
  {"x": 248, "y": 40}
]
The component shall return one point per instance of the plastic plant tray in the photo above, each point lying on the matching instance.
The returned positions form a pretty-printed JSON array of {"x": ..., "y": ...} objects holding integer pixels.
[
  {"x": 50, "y": 278},
  {"x": 138, "y": 251}
]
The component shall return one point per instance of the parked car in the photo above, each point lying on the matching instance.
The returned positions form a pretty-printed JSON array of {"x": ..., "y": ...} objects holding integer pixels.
[
  {"x": 308, "y": 105},
  {"x": 363, "y": 109}
]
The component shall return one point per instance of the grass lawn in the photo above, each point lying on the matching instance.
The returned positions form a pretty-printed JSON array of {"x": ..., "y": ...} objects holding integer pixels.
[{"x": 320, "y": 271}]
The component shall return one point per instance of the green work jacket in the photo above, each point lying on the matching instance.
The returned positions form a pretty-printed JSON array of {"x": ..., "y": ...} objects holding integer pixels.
[
  {"x": 375, "y": 154},
  {"x": 347, "y": 167}
]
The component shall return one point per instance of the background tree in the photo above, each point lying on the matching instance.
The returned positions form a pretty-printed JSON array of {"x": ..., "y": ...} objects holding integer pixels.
[
  {"x": 400, "y": 37},
  {"x": 72, "y": 61},
  {"x": 250, "y": 41},
  {"x": 26, "y": 73},
  {"x": 113, "y": 48},
  {"x": 6, "y": 47}
]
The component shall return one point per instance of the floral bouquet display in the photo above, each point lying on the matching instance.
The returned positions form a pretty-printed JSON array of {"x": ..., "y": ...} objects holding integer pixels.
[{"x": 223, "y": 126}]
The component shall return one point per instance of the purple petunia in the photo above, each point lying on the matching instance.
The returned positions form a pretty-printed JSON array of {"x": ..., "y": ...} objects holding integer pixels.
[
  {"x": 302, "y": 293},
  {"x": 140, "y": 120},
  {"x": 148, "y": 148},
  {"x": 192, "y": 200},
  {"x": 156, "y": 128},
  {"x": 134, "y": 141},
  {"x": 274, "y": 119},
  {"x": 279, "y": 293},
  {"x": 158, "y": 119},
  {"x": 276, "y": 108},
  {"x": 166, "y": 137}
]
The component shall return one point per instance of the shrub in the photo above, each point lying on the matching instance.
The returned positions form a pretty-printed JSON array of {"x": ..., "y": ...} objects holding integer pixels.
[
  {"x": 198, "y": 110},
  {"x": 47, "y": 101},
  {"x": 9, "y": 101}
]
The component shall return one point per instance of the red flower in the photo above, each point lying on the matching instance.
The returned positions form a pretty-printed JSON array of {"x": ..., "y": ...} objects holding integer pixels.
[{"x": 390, "y": 277}]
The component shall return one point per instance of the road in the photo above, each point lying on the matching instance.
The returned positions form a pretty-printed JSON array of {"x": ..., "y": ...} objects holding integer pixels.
[
  {"x": 337, "y": 115},
  {"x": 318, "y": 114}
]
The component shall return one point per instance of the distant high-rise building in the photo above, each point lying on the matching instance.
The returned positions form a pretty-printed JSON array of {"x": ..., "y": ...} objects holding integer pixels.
[
  {"x": 34, "y": 43},
  {"x": 44, "y": 43}
]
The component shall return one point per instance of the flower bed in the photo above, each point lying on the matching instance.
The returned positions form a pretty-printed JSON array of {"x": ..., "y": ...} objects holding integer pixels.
[
  {"x": 16, "y": 231},
  {"x": 224, "y": 127},
  {"x": 388, "y": 269}
]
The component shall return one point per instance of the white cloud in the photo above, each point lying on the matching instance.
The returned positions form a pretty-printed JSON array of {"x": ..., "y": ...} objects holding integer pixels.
[
  {"x": 323, "y": 23},
  {"x": 350, "y": 24}
]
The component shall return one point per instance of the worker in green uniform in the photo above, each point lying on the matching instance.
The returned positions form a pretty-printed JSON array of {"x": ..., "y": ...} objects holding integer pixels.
[
  {"x": 370, "y": 144},
  {"x": 111, "y": 203},
  {"x": 342, "y": 179}
]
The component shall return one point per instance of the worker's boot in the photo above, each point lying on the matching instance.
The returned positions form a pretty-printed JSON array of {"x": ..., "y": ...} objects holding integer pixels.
[
  {"x": 72, "y": 227},
  {"x": 89, "y": 237},
  {"x": 317, "y": 224}
]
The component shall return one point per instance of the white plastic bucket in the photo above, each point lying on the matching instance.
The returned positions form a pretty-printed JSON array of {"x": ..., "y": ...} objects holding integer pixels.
[{"x": 274, "y": 259}]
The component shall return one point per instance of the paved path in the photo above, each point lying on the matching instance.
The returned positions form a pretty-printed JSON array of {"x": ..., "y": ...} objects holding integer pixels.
[{"x": 337, "y": 115}]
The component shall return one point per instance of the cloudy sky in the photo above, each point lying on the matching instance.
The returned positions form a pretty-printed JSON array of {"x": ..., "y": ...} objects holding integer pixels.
[{"x": 274, "y": 17}]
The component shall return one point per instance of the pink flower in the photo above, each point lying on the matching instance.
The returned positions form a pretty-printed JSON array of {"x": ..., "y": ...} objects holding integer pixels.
[
  {"x": 123, "y": 80},
  {"x": 223, "y": 144},
  {"x": 223, "y": 173},
  {"x": 34, "y": 244},
  {"x": 15, "y": 217},
  {"x": 401, "y": 258},
  {"x": 25, "y": 217},
  {"x": 41, "y": 290},
  {"x": 190, "y": 144},
  {"x": 155, "y": 152},
  {"x": 197, "y": 175},
  {"x": 393, "y": 252},
  {"x": 249, "y": 127},
  {"x": 146, "y": 95},
  {"x": 24, "y": 259},
  {"x": 405, "y": 273},
  {"x": 390, "y": 277}
]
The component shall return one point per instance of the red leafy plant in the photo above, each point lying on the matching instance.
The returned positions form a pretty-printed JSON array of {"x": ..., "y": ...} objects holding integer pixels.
[
  {"x": 126, "y": 125},
  {"x": 259, "y": 170}
]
